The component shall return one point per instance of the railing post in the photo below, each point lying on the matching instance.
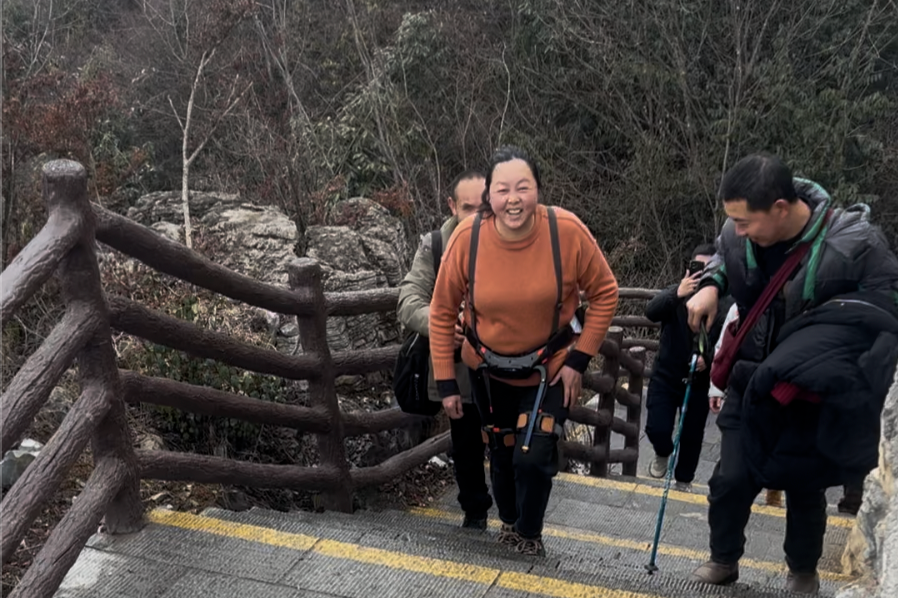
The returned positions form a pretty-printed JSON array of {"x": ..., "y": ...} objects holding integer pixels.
[
  {"x": 634, "y": 412},
  {"x": 602, "y": 436},
  {"x": 305, "y": 275},
  {"x": 65, "y": 182}
]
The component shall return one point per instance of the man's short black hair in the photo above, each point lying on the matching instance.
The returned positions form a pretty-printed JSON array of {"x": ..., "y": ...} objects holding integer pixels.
[
  {"x": 759, "y": 179},
  {"x": 704, "y": 249},
  {"x": 466, "y": 175}
]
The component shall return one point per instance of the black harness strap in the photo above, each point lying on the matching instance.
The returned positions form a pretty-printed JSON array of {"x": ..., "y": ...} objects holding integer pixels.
[
  {"x": 522, "y": 365},
  {"x": 472, "y": 267},
  {"x": 436, "y": 249},
  {"x": 518, "y": 366},
  {"x": 556, "y": 259}
]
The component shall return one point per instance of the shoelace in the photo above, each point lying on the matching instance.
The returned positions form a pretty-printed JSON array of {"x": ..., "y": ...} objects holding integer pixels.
[{"x": 530, "y": 547}]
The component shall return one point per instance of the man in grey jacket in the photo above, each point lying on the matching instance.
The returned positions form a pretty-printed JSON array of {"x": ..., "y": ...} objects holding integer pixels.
[
  {"x": 770, "y": 214},
  {"x": 415, "y": 293}
]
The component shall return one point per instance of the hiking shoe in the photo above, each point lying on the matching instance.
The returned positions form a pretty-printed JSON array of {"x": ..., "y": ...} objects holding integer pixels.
[
  {"x": 658, "y": 467},
  {"x": 683, "y": 486},
  {"x": 774, "y": 498},
  {"x": 850, "y": 503},
  {"x": 848, "y": 508},
  {"x": 508, "y": 535},
  {"x": 531, "y": 547},
  {"x": 803, "y": 583},
  {"x": 716, "y": 574},
  {"x": 475, "y": 522}
]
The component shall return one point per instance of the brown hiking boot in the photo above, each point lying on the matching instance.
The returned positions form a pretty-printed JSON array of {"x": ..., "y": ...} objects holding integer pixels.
[
  {"x": 803, "y": 583},
  {"x": 531, "y": 547},
  {"x": 508, "y": 535},
  {"x": 716, "y": 574}
]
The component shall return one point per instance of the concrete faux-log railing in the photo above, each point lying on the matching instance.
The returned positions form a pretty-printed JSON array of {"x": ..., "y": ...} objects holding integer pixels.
[{"x": 84, "y": 335}]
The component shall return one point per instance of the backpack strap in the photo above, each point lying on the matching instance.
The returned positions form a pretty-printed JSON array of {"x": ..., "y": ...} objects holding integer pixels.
[
  {"x": 556, "y": 259},
  {"x": 436, "y": 249},
  {"x": 472, "y": 266}
]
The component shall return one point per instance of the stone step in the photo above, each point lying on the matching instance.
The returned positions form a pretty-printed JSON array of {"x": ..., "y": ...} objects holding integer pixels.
[
  {"x": 271, "y": 554},
  {"x": 626, "y": 508},
  {"x": 436, "y": 532}
]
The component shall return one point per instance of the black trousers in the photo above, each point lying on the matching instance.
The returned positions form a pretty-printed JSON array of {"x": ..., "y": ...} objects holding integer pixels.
[
  {"x": 521, "y": 481},
  {"x": 732, "y": 493},
  {"x": 663, "y": 402},
  {"x": 468, "y": 453}
]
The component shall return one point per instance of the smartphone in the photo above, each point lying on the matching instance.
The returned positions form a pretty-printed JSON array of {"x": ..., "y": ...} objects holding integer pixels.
[{"x": 695, "y": 266}]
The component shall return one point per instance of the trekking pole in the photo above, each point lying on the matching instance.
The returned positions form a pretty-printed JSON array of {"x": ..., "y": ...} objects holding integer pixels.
[
  {"x": 701, "y": 342},
  {"x": 537, "y": 405}
]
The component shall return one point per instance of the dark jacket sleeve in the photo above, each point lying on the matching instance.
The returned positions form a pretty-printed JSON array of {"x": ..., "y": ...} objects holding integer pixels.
[
  {"x": 715, "y": 270},
  {"x": 880, "y": 266},
  {"x": 663, "y": 307},
  {"x": 723, "y": 307}
]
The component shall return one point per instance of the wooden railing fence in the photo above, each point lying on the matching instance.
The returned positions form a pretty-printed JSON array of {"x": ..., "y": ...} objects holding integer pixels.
[{"x": 66, "y": 247}]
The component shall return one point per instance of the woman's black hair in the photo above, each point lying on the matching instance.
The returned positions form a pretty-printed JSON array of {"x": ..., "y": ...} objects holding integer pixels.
[{"x": 506, "y": 153}]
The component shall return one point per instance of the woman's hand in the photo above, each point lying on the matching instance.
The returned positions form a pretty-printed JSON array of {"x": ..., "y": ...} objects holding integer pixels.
[
  {"x": 452, "y": 405},
  {"x": 573, "y": 382}
]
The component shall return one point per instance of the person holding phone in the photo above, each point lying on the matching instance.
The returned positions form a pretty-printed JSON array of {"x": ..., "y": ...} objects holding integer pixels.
[{"x": 668, "y": 383}]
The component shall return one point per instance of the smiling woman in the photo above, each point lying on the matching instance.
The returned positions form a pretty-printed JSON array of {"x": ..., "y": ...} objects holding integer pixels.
[
  {"x": 529, "y": 263},
  {"x": 512, "y": 193}
]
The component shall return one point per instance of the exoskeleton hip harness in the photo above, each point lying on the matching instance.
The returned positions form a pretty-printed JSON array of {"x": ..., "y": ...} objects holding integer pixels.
[{"x": 520, "y": 366}]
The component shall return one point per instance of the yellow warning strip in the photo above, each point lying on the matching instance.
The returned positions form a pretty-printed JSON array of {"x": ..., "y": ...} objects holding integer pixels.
[
  {"x": 703, "y": 487},
  {"x": 218, "y": 527},
  {"x": 523, "y": 582},
  {"x": 626, "y": 544},
  {"x": 687, "y": 497}
]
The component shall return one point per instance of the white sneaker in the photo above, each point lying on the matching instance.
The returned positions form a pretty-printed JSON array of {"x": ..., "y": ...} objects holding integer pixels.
[
  {"x": 683, "y": 486},
  {"x": 658, "y": 467}
]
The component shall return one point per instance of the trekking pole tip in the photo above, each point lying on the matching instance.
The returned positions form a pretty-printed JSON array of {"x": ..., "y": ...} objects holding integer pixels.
[{"x": 651, "y": 568}]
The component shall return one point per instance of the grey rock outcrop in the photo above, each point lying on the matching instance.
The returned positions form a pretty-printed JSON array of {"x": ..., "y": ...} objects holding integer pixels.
[
  {"x": 255, "y": 240},
  {"x": 363, "y": 249}
]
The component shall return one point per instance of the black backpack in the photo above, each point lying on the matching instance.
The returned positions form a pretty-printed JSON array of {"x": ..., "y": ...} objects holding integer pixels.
[{"x": 413, "y": 364}]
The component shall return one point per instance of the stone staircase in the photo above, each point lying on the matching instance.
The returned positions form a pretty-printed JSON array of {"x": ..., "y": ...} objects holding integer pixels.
[{"x": 597, "y": 537}]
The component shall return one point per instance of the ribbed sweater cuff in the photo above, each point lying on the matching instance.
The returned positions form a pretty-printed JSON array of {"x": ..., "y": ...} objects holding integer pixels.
[
  {"x": 448, "y": 388},
  {"x": 589, "y": 343},
  {"x": 578, "y": 360}
]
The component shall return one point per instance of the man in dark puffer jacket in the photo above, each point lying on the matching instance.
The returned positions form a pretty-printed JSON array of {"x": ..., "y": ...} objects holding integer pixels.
[{"x": 770, "y": 214}]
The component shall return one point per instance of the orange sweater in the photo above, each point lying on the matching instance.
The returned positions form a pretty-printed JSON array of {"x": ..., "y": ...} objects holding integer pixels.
[{"x": 515, "y": 291}]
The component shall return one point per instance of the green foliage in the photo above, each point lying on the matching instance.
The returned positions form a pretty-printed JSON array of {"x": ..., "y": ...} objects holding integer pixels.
[
  {"x": 207, "y": 310},
  {"x": 203, "y": 432}
]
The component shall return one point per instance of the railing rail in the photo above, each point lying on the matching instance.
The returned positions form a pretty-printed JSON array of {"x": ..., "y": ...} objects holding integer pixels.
[{"x": 66, "y": 246}]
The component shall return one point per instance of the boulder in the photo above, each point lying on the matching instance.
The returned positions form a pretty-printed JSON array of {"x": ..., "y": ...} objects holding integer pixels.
[
  {"x": 364, "y": 248},
  {"x": 257, "y": 241}
]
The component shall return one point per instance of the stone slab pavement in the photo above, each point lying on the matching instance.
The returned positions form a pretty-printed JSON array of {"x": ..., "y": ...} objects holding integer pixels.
[{"x": 710, "y": 454}]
